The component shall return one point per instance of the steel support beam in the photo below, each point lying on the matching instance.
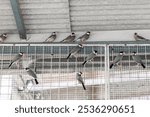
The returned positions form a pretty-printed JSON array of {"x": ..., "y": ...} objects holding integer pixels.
[{"x": 18, "y": 19}]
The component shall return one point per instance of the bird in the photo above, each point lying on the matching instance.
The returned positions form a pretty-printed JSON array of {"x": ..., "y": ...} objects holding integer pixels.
[
  {"x": 91, "y": 56},
  {"x": 117, "y": 59},
  {"x": 32, "y": 73},
  {"x": 138, "y": 59},
  {"x": 139, "y": 38},
  {"x": 84, "y": 37},
  {"x": 52, "y": 37},
  {"x": 16, "y": 59},
  {"x": 70, "y": 38},
  {"x": 3, "y": 37},
  {"x": 75, "y": 50},
  {"x": 80, "y": 79}
]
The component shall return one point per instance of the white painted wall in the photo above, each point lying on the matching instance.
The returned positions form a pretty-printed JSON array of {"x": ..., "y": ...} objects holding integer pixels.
[{"x": 123, "y": 35}]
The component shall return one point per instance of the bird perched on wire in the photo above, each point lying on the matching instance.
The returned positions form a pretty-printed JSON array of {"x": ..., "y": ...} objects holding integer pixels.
[
  {"x": 52, "y": 37},
  {"x": 70, "y": 38},
  {"x": 75, "y": 50},
  {"x": 117, "y": 59},
  {"x": 80, "y": 79},
  {"x": 84, "y": 37},
  {"x": 138, "y": 59},
  {"x": 139, "y": 38},
  {"x": 16, "y": 59},
  {"x": 32, "y": 74},
  {"x": 90, "y": 57},
  {"x": 3, "y": 37}
]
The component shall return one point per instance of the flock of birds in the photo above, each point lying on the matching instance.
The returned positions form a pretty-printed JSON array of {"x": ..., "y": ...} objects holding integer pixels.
[
  {"x": 74, "y": 51},
  {"x": 72, "y": 37}
]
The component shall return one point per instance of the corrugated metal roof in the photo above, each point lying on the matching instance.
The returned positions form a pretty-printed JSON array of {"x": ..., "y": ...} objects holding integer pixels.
[
  {"x": 7, "y": 21},
  {"x": 45, "y": 16},
  {"x": 98, "y": 15},
  {"x": 41, "y": 16}
]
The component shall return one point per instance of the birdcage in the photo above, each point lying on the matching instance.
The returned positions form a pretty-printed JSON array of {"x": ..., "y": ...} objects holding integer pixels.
[{"x": 57, "y": 76}]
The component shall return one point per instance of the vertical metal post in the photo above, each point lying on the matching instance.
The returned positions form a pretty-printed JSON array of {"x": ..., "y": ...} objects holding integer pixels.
[
  {"x": 69, "y": 13},
  {"x": 107, "y": 75},
  {"x": 18, "y": 19}
]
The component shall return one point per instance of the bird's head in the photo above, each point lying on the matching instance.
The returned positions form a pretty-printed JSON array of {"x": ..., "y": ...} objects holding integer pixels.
[
  {"x": 27, "y": 68},
  {"x": 134, "y": 53},
  {"x": 80, "y": 73},
  {"x": 88, "y": 32},
  {"x": 80, "y": 45},
  {"x": 135, "y": 33},
  {"x": 95, "y": 51},
  {"x": 21, "y": 53},
  {"x": 53, "y": 33},
  {"x": 73, "y": 34},
  {"x": 121, "y": 52},
  {"x": 4, "y": 35}
]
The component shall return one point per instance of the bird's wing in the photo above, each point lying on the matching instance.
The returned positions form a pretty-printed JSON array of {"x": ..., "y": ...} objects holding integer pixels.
[
  {"x": 81, "y": 36},
  {"x": 140, "y": 37},
  {"x": 75, "y": 49},
  {"x": 80, "y": 79},
  {"x": 32, "y": 73},
  {"x": 117, "y": 59},
  {"x": 17, "y": 57},
  {"x": 90, "y": 57},
  {"x": 138, "y": 59}
]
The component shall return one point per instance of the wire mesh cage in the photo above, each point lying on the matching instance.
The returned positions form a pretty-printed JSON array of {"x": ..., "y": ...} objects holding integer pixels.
[
  {"x": 57, "y": 75},
  {"x": 130, "y": 78}
]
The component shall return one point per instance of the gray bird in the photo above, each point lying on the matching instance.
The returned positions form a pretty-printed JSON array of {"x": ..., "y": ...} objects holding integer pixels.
[
  {"x": 90, "y": 57},
  {"x": 3, "y": 37},
  {"x": 75, "y": 50},
  {"x": 138, "y": 59},
  {"x": 16, "y": 59},
  {"x": 139, "y": 38},
  {"x": 84, "y": 37},
  {"x": 32, "y": 73},
  {"x": 80, "y": 79},
  {"x": 51, "y": 38},
  {"x": 70, "y": 38},
  {"x": 117, "y": 59}
]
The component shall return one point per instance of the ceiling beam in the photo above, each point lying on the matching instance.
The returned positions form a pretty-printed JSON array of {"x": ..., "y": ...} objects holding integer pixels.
[{"x": 18, "y": 19}]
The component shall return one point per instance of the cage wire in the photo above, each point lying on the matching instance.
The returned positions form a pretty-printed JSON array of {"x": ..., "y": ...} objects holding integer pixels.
[{"x": 57, "y": 75}]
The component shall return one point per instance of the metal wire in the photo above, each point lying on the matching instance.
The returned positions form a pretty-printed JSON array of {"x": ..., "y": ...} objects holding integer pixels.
[{"x": 57, "y": 75}]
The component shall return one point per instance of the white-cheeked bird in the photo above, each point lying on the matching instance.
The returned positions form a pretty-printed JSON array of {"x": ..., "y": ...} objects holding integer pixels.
[
  {"x": 3, "y": 37},
  {"x": 84, "y": 37},
  {"x": 117, "y": 59},
  {"x": 90, "y": 57},
  {"x": 32, "y": 74},
  {"x": 75, "y": 50},
  {"x": 52, "y": 37},
  {"x": 139, "y": 38},
  {"x": 17, "y": 58},
  {"x": 70, "y": 38},
  {"x": 138, "y": 59},
  {"x": 80, "y": 79}
]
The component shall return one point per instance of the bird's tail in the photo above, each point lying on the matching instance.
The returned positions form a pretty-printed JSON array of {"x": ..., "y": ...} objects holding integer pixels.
[
  {"x": 36, "y": 82},
  {"x": 10, "y": 64},
  {"x": 84, "y": 63},
  {"x": 111, "y": 65},
  {"x": 83, "y": 86},
  {"x": 143, "y": 65},
  {"x": 69, "y": 56},
  {"x": 62, "y": 40},
  {"x": 147, "y": 39}
]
